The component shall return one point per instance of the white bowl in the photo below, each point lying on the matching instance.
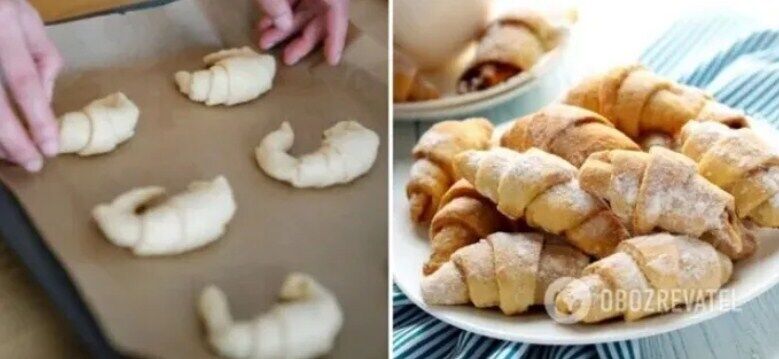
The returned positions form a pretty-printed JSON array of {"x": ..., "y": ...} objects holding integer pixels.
[
  {"x": 432, "y": 31},
  {"x": 410, "y": 249},
  {"x": 457, "y": 105}
]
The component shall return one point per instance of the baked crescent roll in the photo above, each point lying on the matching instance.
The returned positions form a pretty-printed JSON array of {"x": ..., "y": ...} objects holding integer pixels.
[
  {"x": 647, "y": 275},
  {"x": 570, "y": 132},
  {"x": 463, "y": 218},
  {"x": 662, "y": 190},
  {"x": 638, "y": 101},
  {"x": 507, "y": 270},
  {"x": 433, "y": 170},
  {"x": 739, "y": 162},
  {"x": 509, "y": 46},
  {"x": 542, "y": 188},
  {"x": 408, "y": 83}
]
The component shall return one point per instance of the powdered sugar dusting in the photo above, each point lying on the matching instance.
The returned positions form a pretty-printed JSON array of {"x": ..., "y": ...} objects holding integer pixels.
[
  {"x": 446, "y": 286},
  {"x": 699, "y": 264},
  {"x": 774, "y": 201},
  {"x": 679, "y": 200},
  {"x": 573, "y": 197},
  {"x": 626, "y": 186}
]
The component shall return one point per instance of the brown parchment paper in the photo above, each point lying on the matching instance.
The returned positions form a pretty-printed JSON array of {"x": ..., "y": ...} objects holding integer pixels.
[{"x": 146, "y": 306}]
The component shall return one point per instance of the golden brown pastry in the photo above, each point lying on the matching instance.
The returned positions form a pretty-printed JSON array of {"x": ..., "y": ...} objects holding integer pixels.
[
  {"x": 433, "y": 170},
  {"x": 647, "y": 275},
  {"x": 464, "y": 217},
  {"x": 508, "y": 270},
  {"x": 570, "y": 132},
  {"x": 663, "y": 190},
  {"x": 739, "y": 162},
  {"x": 408, "y": 83},
  {"x": 638, "y": 101},
  {"x": 542, "y": 188},
  {"x": 509, "y": 46}
]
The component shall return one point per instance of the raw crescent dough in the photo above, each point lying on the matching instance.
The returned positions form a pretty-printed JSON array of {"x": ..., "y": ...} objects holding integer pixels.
[
  {"x": 303, "y": 326},
  {"x": 99, "y": 126},
  {"x": 234, "y": 76},
  {"x": 348, "y": 151},
  {"x": 141, "y": 220}
]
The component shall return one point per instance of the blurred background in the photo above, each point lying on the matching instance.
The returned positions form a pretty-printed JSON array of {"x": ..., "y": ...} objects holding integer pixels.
[{"x": 602, "y": 34}]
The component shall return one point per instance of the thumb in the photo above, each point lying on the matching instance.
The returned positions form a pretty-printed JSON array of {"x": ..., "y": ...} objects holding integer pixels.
[{"x": 279, "y": 11}]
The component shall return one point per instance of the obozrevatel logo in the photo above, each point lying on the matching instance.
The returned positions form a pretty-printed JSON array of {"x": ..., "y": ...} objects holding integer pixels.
[{"x": 569, "y": 300}]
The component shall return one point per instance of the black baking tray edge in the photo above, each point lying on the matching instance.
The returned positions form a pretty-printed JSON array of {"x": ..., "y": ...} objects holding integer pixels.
[{"x": 22, "y": 238}]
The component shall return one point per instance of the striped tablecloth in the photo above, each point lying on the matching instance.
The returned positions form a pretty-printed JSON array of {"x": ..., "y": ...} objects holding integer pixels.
[{"x": 728, "y": 56}]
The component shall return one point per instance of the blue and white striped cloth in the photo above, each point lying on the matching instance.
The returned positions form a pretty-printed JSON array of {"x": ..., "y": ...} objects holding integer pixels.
[{"x": 729, "y": 57}]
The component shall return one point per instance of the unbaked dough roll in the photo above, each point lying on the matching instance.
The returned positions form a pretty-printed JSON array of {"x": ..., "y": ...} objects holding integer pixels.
[
  {"x": 303, "y": 325},
  {"x": 150, "y": 224},
  {"x": 348, "y": 151},
  {"x": 233, "y": 76},
  {"x": 99, "y": 127}
]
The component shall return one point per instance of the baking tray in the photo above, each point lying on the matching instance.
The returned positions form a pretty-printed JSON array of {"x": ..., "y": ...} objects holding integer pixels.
[{"x": 119, "y": 303}]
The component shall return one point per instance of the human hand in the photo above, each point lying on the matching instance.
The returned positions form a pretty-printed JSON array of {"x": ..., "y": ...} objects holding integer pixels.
[
  {"x": 30, "y": 63},
  {"x": 313, "y": 20}
]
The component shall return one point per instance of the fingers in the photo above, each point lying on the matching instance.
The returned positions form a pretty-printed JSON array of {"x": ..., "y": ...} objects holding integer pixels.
[
  {"x": 278, "y": 10},
  {"x": 266, "y": 21},
  {"x": 337, "y": 25},
  {"x": 46, "y": 56},
  {"x": 24, "y": 82},
  {"x": 334, "y": 24},
  {"x": 17, "y": 146},
  {"x": 312, "y": 34},
  {"x": 274, "y": 35}
]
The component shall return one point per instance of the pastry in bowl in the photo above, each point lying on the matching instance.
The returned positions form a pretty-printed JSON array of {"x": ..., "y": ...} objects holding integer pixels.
[{"x": 509, "y": 46}]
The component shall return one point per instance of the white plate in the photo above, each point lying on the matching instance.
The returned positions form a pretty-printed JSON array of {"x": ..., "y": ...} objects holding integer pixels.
[
  {"x": 410, "y": 249},
  {"x": 450, "y": 106}
]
